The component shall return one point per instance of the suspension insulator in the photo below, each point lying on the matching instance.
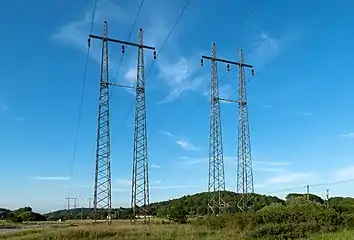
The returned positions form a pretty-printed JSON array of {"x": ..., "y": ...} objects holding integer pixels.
[
  {"x": 123, "y": 50},
  {"x": 89, "y": 42},
  {"x": 201, "y": 62},
  {"x": 252, "y": 71},
  {"x": 155, "y": 55},
  {"x": 228, "y": 67}
]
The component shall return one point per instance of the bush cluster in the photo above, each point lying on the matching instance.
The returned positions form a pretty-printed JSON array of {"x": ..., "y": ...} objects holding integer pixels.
[
  {"x": 24, "y": 215},
  {"x": 294, "y": 219}
]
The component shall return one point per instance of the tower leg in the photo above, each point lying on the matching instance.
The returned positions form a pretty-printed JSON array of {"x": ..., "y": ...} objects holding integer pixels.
[
  {"x": 216, "y": 160},
  {"x": 244, "y": 161},
  {"x": 140, "y": 179},
  {"x": 102, "y": 189}
]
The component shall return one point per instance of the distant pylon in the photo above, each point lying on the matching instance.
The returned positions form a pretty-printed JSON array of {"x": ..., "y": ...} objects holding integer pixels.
[
  {"x": 244, "y": 161},
  {"x": 216, "y": 161},
  {"x": 102, "y": 190},
  {"x": 140, "y": 178}
]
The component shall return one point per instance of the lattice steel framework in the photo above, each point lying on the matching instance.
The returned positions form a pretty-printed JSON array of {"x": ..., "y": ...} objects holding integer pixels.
[
  {"x": 216, "y": 161},
  {"x": 244, "y": 161},
  {"x": 140, "y": 179},
  {"x": 102, "y": 189}
]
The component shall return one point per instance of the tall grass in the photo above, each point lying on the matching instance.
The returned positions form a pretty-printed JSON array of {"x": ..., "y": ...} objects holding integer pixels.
[{"x": 85, "y": 230}]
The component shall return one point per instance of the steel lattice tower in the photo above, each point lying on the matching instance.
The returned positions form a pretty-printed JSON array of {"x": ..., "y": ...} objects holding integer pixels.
[
  {"x": 102, "y": 189},
  {"x": 216, "y": 160},
  {"x": 244, "y": 161},
  {"x": 140, "y": 180}
]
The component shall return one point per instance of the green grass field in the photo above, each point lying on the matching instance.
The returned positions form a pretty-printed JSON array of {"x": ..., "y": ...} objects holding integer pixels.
[{"x": 124, "y": 230}]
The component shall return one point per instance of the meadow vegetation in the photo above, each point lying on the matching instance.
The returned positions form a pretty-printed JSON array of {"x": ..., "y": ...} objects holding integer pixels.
[{"x": 297, "y": 217}]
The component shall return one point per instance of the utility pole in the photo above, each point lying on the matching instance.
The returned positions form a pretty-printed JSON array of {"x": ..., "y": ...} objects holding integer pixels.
[
  {"x": 140, "y": 178},
  {"x": 102, "y": 191},
  {"x": 327, "y": 197},
  {"x": 68, "y": 202},
  {"x": 308, "y": 192},
  {"x": 68, "y": 199},
  {"x": 216, "y": 183},
  {"x": 244, "y": 163},
  {"x": 75, "y": 201},
  {"x": 89, "y": 200}
]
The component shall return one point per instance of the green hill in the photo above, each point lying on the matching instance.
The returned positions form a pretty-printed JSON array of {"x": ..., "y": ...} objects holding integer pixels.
[
  {"x": 194, "y": 205},
  {"x": 21, "y": 215},
  {"x": 197, "y": 205}
]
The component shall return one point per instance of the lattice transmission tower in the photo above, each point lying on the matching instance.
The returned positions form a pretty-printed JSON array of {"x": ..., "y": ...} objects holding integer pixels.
[
  {"x": 216, "y": 160},
  {"x": 244, "y": 165},
  {"x": 140, "y": 179},
  {"x": 140, "y": 184},
  {"x": 102, "y": 190},
  {"x": 244, "y": 160}
]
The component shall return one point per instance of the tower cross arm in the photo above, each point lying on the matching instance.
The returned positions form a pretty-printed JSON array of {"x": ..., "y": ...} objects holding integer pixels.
[
  {"x": 121, "y": 42},
  {"x": 232, "y": 101},
  {"x": 228, "y": 61}
]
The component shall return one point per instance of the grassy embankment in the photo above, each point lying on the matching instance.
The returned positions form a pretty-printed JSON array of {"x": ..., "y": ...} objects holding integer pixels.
[{"x": 123, "y": 230}]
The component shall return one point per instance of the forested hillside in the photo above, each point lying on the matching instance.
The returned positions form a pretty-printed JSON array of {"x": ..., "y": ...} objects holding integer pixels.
[
  {"x": 196, "y": 205},
  {"x": 21, "y": 215},
  {"x": 299, "y": 215}
]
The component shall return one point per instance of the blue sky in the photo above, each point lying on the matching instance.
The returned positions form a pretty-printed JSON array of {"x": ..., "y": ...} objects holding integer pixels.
[{"x": 300, "y": 111}]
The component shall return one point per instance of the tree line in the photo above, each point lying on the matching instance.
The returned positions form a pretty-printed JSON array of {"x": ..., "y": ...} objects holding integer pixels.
[{"x": 21, "y": 215}]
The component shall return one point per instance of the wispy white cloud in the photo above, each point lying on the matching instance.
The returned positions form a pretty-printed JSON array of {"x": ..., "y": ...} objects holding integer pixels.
[
  {"x": 265, "y": 169},
  {"x": 187, "y": 145},
  {"x": 258, "y": 186},
  {"x": 290, "y": 177},
  {"x": 183, "y": 143},
  {"x": 157, "y": 187},
  {"x": 121, "y": 189},
  {"x": 52, "y": 178},
  {"x": 188, "y": 161},
  {"x": 155, "y": 166},
  {"x": 267, "y": 47},
  {"x": 348, "y": 135},
  {"x": 174, "y": 69},
  {"x": 180, "y": 77},
  {"x": 344, "y": 173},
  {"x": 167, "y": 134},
  {"x": 173, "y": 186},
  {"x": 271, "y": 163},
  {"x": 123, "y": 182},
  {"x": 75, "y": 34},
  {"x": 157, "y": 181}
]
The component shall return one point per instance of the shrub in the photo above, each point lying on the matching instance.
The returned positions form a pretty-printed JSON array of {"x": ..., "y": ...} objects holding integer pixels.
[{"x": 178, "y": 214}]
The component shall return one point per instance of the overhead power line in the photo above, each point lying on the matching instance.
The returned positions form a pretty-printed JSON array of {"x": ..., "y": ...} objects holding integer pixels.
[
  {"x": 83, "y": 90},
  {"x": 310, "y": 185},
  {"x": 169, "y": 35},
  {"x": 129, "y": 37},
  {"x": 161, "y": 49}
]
